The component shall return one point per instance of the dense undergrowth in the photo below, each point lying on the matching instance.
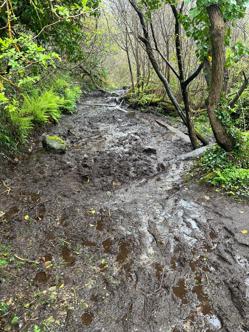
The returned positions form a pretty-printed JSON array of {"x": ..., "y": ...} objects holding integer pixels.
[
  {"x": 35, "y": 107},
  {"x": 227, "y": 171}
]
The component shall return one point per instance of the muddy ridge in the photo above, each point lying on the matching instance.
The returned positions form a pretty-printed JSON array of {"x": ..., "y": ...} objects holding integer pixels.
[{"x": 111, "y": 237}]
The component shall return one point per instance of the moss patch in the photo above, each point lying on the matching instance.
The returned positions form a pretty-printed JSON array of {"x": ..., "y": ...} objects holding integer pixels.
[{"x": 56, "y": 139}]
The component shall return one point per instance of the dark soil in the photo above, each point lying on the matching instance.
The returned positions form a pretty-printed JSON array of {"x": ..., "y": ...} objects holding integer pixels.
[{"x": 110, "y": 236}]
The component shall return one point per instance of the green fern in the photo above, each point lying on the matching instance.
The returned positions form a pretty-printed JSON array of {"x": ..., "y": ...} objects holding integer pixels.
[
  {"x": 43, "y": 108},
  {"x": 19, "y": 123}
]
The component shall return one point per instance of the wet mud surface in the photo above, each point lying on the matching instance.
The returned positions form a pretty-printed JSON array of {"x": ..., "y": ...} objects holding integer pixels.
[{"x": 110, "y": 236}]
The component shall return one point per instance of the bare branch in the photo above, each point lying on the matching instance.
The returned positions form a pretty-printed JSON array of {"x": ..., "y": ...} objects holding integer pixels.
[
  {"x": 160, "y": 53},
  {"x": 194, "y": 75},
  {"x": 240, "y": 91}
]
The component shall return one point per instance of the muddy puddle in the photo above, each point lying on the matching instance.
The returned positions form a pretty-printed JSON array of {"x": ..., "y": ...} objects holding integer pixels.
[{"x": 111, "y": 237}]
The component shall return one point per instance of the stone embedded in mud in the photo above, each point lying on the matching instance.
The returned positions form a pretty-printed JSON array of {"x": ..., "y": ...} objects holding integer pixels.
[
  {"x": 68, "y": 256},
  {"x": 54, "y": 143},
  {"x": 149, "y": 150},
  {"x": 87, "y": 318},
  {"x": 41, "y": 277},
  {"x": 215, "y": 322},
  {"x": 131, "y": 114}
]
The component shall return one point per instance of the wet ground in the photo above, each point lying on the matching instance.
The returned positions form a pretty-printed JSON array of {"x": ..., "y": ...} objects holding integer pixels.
[{"x": 111, "y": 237}]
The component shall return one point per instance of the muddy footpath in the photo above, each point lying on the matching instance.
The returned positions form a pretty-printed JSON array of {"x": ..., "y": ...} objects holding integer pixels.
[{"x": 110, "y": 236}]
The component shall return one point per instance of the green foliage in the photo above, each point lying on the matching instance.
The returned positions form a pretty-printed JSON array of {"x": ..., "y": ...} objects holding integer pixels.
[
  {"x": 39, "y": 107},
  {"x": 235, "y": 53},
  {"x": 37, "y": 328},
  {"x": 62, "y": 19},
  {"x": 15, "y": 320},
  {"x": 5, "y": 259},
  {"x": 196, "y": 22},
  {"x": 143, "y": 99},
  {"x": 70, "y": 98},
  {"x": 3, "y": 262},
  {"x": 42, "y": 108},
  {"x": 15, "y": 126},
  {"x": 69, "y": 93},
  {"x": 202, "y": 124},
  {"x": 33, "y": 34},
  {"x": 146, "y": 96},
  {"x": 228, "y": 171},
  {"x": 22, "y": 63},
  {"x": 4, "y": 308}
]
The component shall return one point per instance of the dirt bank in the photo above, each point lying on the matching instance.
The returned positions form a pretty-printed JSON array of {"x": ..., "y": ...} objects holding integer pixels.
[{"x": 109, "y": 236}]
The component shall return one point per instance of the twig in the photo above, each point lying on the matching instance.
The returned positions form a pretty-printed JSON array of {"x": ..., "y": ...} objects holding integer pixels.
[
  {"x": 7, "y": 187},
  {"x": 240, "y": 91},
  {"x": 58, "y": 21},
  {"x": 26, "y": 260},
  {"x": 10, "y": 82}
]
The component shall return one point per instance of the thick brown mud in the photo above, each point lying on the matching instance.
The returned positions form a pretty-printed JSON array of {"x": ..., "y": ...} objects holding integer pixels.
[{"x": 111, "y": 237}]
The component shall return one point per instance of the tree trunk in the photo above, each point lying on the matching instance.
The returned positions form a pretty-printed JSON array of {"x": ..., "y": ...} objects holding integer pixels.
[
  {"x": 129, "y": 59},
  {"x": 217, "y": 34}
]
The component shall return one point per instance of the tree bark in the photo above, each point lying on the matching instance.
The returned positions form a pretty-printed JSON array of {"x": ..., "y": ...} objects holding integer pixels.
[{"x": 217, "y": 35}]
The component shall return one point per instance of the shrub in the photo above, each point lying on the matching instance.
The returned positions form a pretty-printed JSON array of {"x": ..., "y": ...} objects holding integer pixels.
[
  {"x": 70, "y": 99},
  {"x": 68, "y": 91}
]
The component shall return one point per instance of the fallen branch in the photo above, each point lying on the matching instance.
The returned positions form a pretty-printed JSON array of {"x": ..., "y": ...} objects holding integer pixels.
[
  {"x": 195, "y": 153},
  {"x": 178, "y": 133}
]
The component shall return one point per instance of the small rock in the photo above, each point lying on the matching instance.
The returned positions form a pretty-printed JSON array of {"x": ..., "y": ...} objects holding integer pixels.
[
  {"x": 54, "y": 143},
  {"x": 149, "y": 150},
  {"x": 131, "y": 114}
]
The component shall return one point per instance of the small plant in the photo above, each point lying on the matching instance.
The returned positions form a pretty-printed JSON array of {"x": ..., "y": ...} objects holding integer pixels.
[
  {"x": 71, "y": 96},
  {"x": 37, "y": 329},
  {"x": 15, "y": 320},
  {"x": 5, "y": 256},
  {"x": 4, "y": 308}
]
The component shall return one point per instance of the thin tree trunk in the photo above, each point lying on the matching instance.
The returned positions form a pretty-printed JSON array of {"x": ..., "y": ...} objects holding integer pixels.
[
  {"x": 184, "y": 88},
  {"x": 129, "y": 59},
  {"x": 130, "y": 69}
]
